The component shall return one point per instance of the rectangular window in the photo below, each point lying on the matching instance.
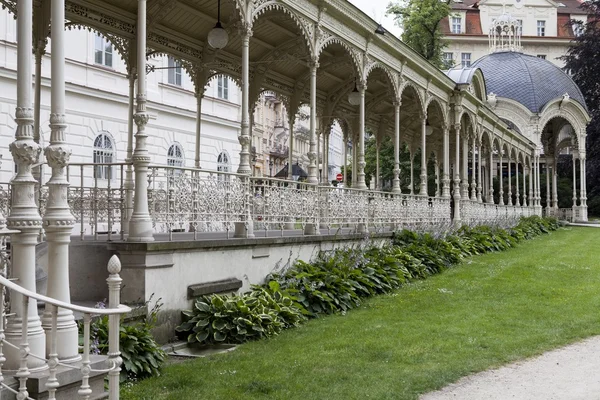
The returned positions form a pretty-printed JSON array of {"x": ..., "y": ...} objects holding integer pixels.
[
  {"x": 448, "y": 59},
  {"x": 578, "y": 28},
  {"x": 223, "y": 87},
  {"x": 174, "y": 72},
  {"x": 541, "y": 28},
  {"x": 103, "y": 52},
  {"x": 465, "y": 60},
  {"x": 542, "y": 56},
  {"x": 456, "y": 24}
]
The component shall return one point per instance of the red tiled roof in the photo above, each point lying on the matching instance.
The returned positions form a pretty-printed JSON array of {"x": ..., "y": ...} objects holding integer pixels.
[
  {"x": 571, "y": 7},
  {"x": 465, "y": 5}
]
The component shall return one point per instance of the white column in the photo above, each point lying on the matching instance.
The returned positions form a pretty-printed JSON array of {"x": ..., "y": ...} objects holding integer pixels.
[
  {"x": 479, "y": 174},
  {"x": 140, "y": 224},
  {"x": 574, "y": 183},
  {"x": 128, "y": 184},
  {"x": 39, "y": 51},
  {"x": 584, "y": 189},
  {"x": 554, "y": 187},
  {"x": 58, "y": 220},
  {"x": 345, "y": 157},
  {"x": 491, "y": 169},
  {"x": 360, "y": 184},
  {"x": 539, "y": 181},
  {"x": 326, "y": 137},
  {"x": 531, "y": 202},
  {"x": 581, "y": 180},
  {"x": 423, "y": 188},
  {"x": 457, "y": 219},
  {"x": 474, "y": 170},
  {"x": 412, "y": 172},
  {"x": 396, "y": 183},
  {"x": 501, "y": 181},
  {"x": 526, "y": 174},
  {"x": 548, "y": 187},
  {"x": 312, "y": 153},
  {"x": 517, "y": 194},
  {"x": 509, "y": 194},
  {"x": 199, "y": 96},
  {"x": 377, "y": 172},
  {"x": 465, "y": 169},
  {"x": 292, "y": 119},
  {"x": 354, "y": 160},
  {"x": 24, "y": 213},
  {"x": 437, "y": 175},
  {"x": 446, "y": 173},
  {"x": 244, "y": 138}
]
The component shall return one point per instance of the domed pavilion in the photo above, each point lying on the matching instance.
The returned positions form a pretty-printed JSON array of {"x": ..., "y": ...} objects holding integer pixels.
[{"x": 539, "y": 100}]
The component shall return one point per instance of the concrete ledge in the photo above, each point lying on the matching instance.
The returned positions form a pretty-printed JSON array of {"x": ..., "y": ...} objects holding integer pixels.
[
  {"x": 224, "y": 286},
  {"x": 215, "y": 244}
]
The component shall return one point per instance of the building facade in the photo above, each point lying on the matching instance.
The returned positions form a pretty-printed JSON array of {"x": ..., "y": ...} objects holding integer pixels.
[{"x": 545, "y": 32}]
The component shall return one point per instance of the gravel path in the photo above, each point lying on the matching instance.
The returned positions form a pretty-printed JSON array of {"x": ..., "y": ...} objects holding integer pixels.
[{"x": 569, "y": 373}]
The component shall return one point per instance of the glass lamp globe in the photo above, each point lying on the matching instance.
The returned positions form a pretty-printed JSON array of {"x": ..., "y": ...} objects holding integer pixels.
[
  {"x": 354, "y": 97},
  {"x": 218, "y": 37}
]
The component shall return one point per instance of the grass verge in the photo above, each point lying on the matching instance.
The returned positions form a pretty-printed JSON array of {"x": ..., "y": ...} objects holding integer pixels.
[{"x": 490, "y": 310}]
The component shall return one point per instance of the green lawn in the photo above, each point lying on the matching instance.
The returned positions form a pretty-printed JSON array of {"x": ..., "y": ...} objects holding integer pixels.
[{"x": 490, "y": 310}]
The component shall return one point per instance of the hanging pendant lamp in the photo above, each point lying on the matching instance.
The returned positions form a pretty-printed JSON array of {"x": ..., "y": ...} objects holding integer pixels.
[
  {"x": 354, "y": 96},
  {"x": 218, "y": 36}
]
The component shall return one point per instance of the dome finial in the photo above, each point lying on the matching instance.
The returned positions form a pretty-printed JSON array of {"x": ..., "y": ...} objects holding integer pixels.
[{"x": 505, "y": 33}]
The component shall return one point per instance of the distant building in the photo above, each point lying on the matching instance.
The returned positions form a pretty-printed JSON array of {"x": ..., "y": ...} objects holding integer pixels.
[{"x": 543, "y": 23}]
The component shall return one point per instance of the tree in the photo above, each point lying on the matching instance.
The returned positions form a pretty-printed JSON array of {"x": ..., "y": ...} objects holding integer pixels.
[
  {"x": 420, "y": 21},
  {"x": 582, "y": 61}
]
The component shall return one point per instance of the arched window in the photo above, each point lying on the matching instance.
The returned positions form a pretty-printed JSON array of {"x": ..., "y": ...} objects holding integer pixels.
[
  {"x": 104, "y": 153},
  {"x": 175, "y": 155},
  {"x": 223, "y": 162}
]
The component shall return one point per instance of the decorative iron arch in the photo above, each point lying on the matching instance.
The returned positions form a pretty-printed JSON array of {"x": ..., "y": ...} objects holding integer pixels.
[
  {"x": 392, "y": 78},
  {"x": 349, "y": 49},
  {"x": 306, "y": 29}
]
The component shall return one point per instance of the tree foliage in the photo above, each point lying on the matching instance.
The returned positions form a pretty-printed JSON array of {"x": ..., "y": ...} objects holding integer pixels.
[
  {"x": 582, "y": 61},
  {"x": 420, "y": 21}
]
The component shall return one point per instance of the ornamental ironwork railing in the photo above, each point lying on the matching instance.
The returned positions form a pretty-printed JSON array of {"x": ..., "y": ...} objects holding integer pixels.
[{"x": 197, "y": 200}]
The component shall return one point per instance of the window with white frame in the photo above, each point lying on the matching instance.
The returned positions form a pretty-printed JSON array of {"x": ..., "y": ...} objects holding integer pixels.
[
  {"x": 541, "y": 28},
  {"x": 175, "y": 155},
  {"x": 448, "y": 59},
  {"x": 174, "y": 77},
  {"x": 223, "y": 87},
  {"x": 456, "y": 24},
  {"x": 223, "y": 162},
  {"x": 103, "y": 52},
  {"x": 104, "y": 153},
  {"x": 465, "y": 60}
]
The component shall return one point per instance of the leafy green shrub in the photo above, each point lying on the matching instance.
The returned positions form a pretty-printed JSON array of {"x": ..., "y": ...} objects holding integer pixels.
[
  {"x": 142, "y": 356},
  {"x": 338, "y": 280},
  {"x": 238, "y": 318}
]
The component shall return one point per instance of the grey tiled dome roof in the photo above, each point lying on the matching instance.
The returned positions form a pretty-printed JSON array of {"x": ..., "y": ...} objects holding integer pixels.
[{"x": 529, "y": 80}]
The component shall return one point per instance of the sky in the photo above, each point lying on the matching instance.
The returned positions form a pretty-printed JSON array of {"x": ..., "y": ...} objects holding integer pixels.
[{"x": 376, "y": 10}]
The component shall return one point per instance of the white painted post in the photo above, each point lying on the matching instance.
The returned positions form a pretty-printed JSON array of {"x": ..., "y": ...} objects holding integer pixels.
[
  {"x": 24, "y": 214},
  {"x": 58, "y": 220},
  {"x": 114, "y": 354},
  {"x": 312, "y": 152},
  {"x": 491, "y": 169},
  {"x": 574, "y": 184},
  {"x": 446, "y": 176},
  {"x": 396, "y": 183},
  {"x": 199, "y": 96},
  {"x": 501, "y": 180},
  {"x": 509, "y": 194},
  {"x": 140, "y": 223},
  {"x": 244, "y": 138},
  {"x": 360, "y": 183},
  {"x": 457, "y": 220},
  {"x": 129, "y": 185},
  {"x": 517, "y": 194},
  {"x": 474, "y": 171},
  {"x": 424, "y": 158},
  {"x": 479, "y": 173}
]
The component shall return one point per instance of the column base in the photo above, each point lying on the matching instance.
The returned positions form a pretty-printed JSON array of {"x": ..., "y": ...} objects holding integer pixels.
[
  {"x": 243, "y": 230},
  {"x": 36, "y": 339},
  {"x": 311, "y": 230}
]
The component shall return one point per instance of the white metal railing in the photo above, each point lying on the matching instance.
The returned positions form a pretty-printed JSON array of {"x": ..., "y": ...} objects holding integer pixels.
[
  {"x": 566, "y": 214},
  {"x": 197, "y": 200},
  {"x": 113, "y": 312}
]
